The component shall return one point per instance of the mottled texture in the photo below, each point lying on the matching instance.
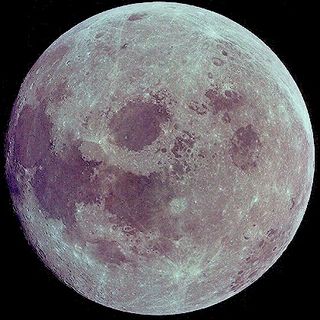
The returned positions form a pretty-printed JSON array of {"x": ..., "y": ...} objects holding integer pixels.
[
  {"x": 245, "y": 148},
  {"x": 160, "y": 158}
]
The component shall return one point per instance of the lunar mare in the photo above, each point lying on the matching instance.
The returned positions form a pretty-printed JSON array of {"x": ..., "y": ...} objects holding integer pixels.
[{"x": 160, "y": 158}]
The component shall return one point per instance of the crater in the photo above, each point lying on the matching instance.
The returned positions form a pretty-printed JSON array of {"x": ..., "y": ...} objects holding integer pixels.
[
  {"x": 271, "y": 234},
  {"x": 292, "y": 203},
  {"x": 99, "y": 35},
  {"x": 217, "y": 62},
  {"x": 138, "y": 124},
  {"x": 261, "y": 244},
  {"x": 124, "y": 46},
  {"x": 229, "y": 48},
  {"x": 245, "y": 148}
]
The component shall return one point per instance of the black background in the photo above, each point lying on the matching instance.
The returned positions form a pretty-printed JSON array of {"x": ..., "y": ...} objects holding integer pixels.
[{"x": 30, "y": 290}]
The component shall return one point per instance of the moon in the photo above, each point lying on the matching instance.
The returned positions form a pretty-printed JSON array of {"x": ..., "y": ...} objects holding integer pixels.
[{"x": 160, "y": 158}]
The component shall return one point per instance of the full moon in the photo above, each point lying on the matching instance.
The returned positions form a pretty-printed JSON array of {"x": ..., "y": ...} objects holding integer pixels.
[{"x": 160, "y": 158}]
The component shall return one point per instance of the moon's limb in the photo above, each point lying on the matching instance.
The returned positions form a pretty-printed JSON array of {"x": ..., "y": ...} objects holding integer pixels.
[{"x": 160, "y": 158}]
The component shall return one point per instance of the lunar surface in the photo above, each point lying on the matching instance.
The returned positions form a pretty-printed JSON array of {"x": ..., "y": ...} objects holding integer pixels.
[{"x": 160, "y": 158}]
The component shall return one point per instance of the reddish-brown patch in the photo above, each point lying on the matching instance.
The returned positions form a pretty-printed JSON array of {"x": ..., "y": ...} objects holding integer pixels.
[
  {"x": 55, "y": 92},
  {"x": 100, "y": 51},
  {"x": 137, "y": 124},
  {"x": 55, "y": 54},
  {"x": 12, "y": 182},
  {"x": 239, "y": 281},
  {"x": 262, "y": 244},
  {"x": 32, "y": 136},
  {"x": 253, "y": 274},
  {"x": 227, "y": 101},
  {"x": 163, "y": 246},
  {"x": 163, "y": 97},
  {"x": 41, "y": 93},
  {"x": 136, "y": 199},
  {"x": 60, "y": 92},
  {"x": 226, "y": 117},
  {"x": 182, "y": 144},
  {"x": 60, "y": 183},
  {"x": 229, "y": 48},
  {"x": 179, "y": 169},
  {"x": 260, "y": 255},
  {"x": 251, "y": 269},
  {"x": 137, "y": 16},
  {"x": 245, "y": 148},
  {"x": 199, "y": 108},
  {"x": 109, "y": 252}
]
